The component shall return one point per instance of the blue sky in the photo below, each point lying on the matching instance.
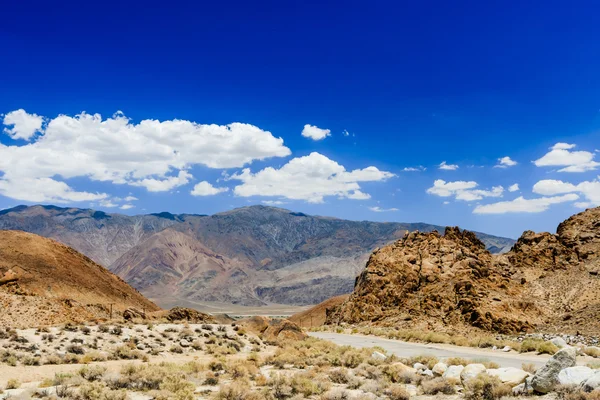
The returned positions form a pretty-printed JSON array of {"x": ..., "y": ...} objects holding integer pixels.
[{"x": 397, "y": 85}]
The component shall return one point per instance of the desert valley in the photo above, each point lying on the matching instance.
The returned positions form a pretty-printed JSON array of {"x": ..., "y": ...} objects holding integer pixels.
[{"x": 493, "y": 310}]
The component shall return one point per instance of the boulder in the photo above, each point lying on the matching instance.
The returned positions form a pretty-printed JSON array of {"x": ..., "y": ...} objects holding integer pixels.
[
  {"x": 546, "y": 378},
  {"x": 426, "y": 372},
  {"x": 471, "y": 371},
  {"x": 378, "y": 356},
  {"x": 506, "y": 349},
  {"x": 439, "y": 369},
  {"x": 524, "y": 389},
  {"x": 419, "y": 366},
  {"x": 559, "y": 342},
  {"x": 453, "y": 372},
  {"x": 184, "y": 343},
  {"x": 133, "y": 313},
  {"x": 511, "y": 376},
  {"x": 575, "y": 375},
  {"x": 592, "y": 383}
]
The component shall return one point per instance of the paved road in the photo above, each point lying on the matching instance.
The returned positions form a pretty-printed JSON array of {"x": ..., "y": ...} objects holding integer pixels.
[{"x": 441, "y": 351}]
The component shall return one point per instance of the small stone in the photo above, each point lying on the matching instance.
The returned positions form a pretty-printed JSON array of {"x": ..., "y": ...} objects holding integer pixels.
[
  {"x": 439, "y": 369},
  {"x": 419, "y": 366},
  {"x": 471, "y": 371},
  {"x": 378, "y": 356},
  {"x": 506, "y": 349},
  {"x": 184, "y": 343},
  {"x": 426, "y": 372},
  {"x": 453, "y": 372},
  {"x": 559, "y": 342}
]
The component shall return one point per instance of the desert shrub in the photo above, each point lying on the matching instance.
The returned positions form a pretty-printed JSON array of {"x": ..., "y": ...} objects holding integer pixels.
[
  {"x": 179, "y": 386},
  {"x": 97, "y": 391},
  {"x": 529, "y": 367},
  {"x": 31, "y": 360},
  {"x": 487, "y": 363},
  {"x": 399, "y": 373},
  {"x": 457, "y": 361},
  {"x": 547, "y": 348},
  {"x": 94, "y": 373},
  {"x": 280, "y": 387},
  {"x": 397, "y": 392},
  {"x": 339, "y": 375},
  {"x": 336, "y": 394},
  {"x": 52, "y": 359},
  {"x": 437, "y": 385},
  {"x": 13, "y": 384},
  {"x": 574, "y": 392},
  {"x": 75, "y": 349},
  {"x": 486, "y": 387},
  {"x": 530, "y": 345},
  {"x": 176, "y": 349},
  {"x": 211, "y": 379},
  {"x": 236, "y": 391},
  {"x": 594, "y": 365},
  {"x": 377, "y": 387}
]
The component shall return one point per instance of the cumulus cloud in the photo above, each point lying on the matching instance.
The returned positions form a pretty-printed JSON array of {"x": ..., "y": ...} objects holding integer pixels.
[
  {"x": 130, "y": 198},
  {"x": 447, "y": 167},
  {"x": 24, "y": 125},
  {"x": 561, "y": 155},
  {"x": 513, "y": 188},
  {"x": 463, "y": 190},
  {"x": 315, "y": 133},
  {"x": 522, "y": 205},
  {"x": 126, "y": 206},
  {"x": 39, "y": 190},
  {"x": 273, "y": 202},
  {"x": 206, "y": 189},
  {"x": 379, "y": 209},
  {"x": 505, "y": 162},
  {"x": 414, "y": 169},
  {"x": 151, "y": 154},
  {"x": 590, "y": 190},
  {"x": 309, "y": 178}
]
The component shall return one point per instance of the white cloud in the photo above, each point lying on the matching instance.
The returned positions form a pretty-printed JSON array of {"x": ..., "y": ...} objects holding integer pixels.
[
  {"x": 108, "y": 203},
  {"x": 345, "y": 133},
  {"x": 39, "y": 190},
  {"x": 414, "y": 169},
  {"x": 448, "y": 167},
  {"x": 24, "y": 125},
  {"x": 206, "y": 189},
  {"x": 164, "y": 185},
  {"x": 126, "y": 206},
  {"x": 588, "y": 189},
  {"x": 309, "y": 178},
  {"x": 273, "y": 202},
  {"x": 151, "y": 154},
  {"x": 130, "y": 198},
  {"x": 572, "y": 161},
  {"x": 379, "y": 209},
  {"x": 463, "y": 190},
  {"x": 315, "y": 133},
  {"x": 505, "y": 162},
  {"x": 522, "y": 205},
  {"x": 513, "y": 188}
]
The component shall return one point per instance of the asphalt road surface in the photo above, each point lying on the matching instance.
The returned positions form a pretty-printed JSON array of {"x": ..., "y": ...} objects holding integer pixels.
[{"x": 441, "y": 351}]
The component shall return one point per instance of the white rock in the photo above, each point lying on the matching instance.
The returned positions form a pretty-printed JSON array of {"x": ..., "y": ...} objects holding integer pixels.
[
  {"x": 575, "y": 375},
  {"x": 592, "y": 383},
  {"x": 546, "y": 378},
  {"x": 411, "y": 389},
  {"x": 184, "y": 343},
  {"x": 426, "y": 372},
  {"x": 559, "y": 342},
  {"x": 494, "y": 347},
  {"x": 439, "y": 369},
  {"x": 471, "y": 371},
  {"x": 378, "y": 356},
  {"x": 511, "y": 376},
  {"x": 453, "y": 373},
  {"x": 506, "y": 349},
  {"x": 418, "y": 366}
]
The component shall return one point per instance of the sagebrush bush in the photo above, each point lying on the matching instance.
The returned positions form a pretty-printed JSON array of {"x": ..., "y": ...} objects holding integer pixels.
[{"x": 486, "y": 387}]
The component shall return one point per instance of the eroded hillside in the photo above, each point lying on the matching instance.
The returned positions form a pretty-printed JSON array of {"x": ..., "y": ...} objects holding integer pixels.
[{"x": 546, "y": 281}]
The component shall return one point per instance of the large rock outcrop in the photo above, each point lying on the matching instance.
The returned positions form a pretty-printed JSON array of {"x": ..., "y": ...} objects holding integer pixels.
[{"x": 546, "y": 281}]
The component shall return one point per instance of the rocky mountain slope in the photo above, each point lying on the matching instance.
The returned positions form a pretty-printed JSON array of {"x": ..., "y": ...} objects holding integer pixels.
[
  {"x": 252, "y": 255},
  {"x": 547, "y": 281},
  {"x": 43, "y": 282},
  {"x": 101, "y": 236}
]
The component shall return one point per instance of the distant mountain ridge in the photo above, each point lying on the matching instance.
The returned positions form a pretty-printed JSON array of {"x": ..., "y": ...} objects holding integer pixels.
[{"x": 251, "y": 255}]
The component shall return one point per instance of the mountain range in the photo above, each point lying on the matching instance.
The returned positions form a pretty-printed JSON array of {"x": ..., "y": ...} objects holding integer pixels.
[{"x": 250, "y": 256}]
